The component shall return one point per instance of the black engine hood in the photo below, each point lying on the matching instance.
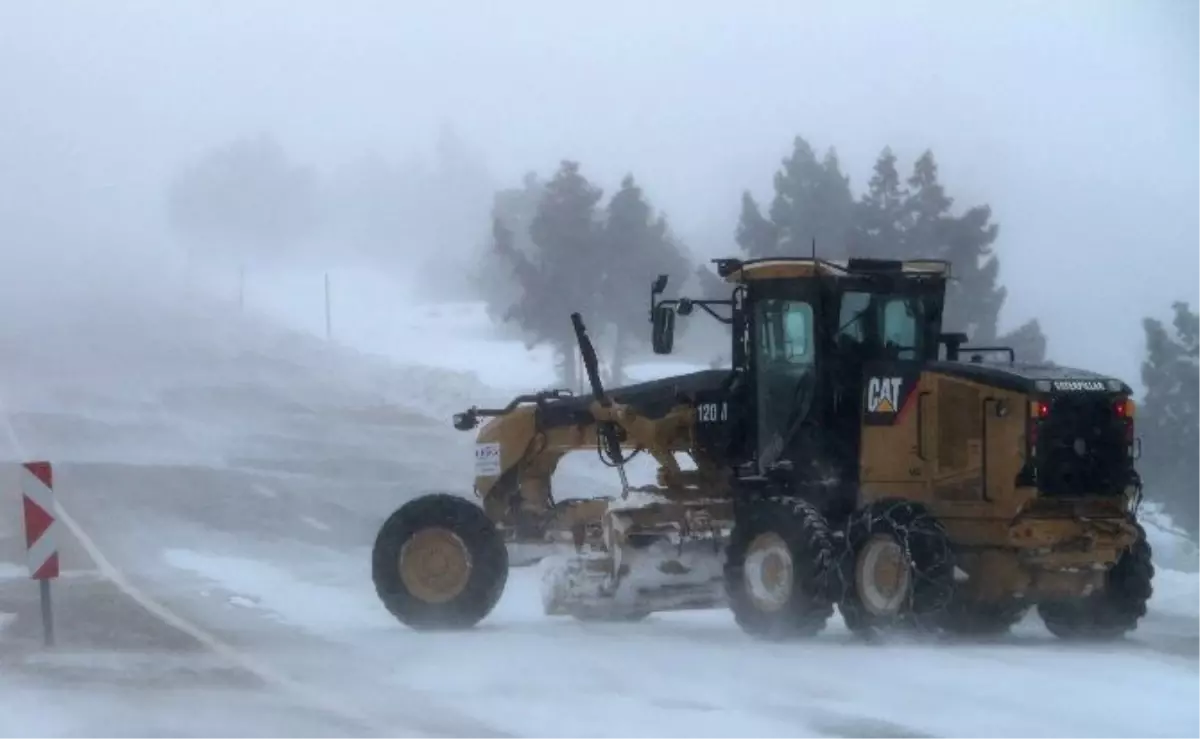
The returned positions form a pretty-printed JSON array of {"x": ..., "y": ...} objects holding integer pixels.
[{"x": 1030, "y": 377}]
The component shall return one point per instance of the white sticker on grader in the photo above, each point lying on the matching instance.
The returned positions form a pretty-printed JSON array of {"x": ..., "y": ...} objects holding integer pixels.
[{"x": 487, "y": 459}]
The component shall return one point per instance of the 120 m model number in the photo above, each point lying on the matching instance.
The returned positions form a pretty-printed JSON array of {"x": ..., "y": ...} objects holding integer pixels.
[{"x": 712, "y": 412}]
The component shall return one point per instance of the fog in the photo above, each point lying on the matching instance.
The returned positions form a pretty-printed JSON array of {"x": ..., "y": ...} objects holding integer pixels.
[{"x": 1077, "y": 121}]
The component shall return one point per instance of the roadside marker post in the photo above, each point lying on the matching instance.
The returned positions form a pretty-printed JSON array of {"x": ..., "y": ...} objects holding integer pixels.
[{"x": 41, "y": 534}]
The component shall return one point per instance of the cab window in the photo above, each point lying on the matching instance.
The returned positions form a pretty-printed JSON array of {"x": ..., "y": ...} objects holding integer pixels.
[
  {"x": 885, "y": 326},
  {"x": 850, "y": 323},
  {"x": 785, "y": 332},
  {"x": 900, "y": 336}
]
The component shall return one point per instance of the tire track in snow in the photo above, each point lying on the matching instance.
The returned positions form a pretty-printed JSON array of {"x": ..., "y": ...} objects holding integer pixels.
[{"x": 452, "y": 723}]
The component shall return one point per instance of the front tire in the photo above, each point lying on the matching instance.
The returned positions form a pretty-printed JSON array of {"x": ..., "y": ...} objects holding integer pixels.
[
  {"x": 439, "y": 563},
  {"x": 897, "y": 569},
  {"x": 776, "y": 569},
  {"x": 1114, "y": 611}
]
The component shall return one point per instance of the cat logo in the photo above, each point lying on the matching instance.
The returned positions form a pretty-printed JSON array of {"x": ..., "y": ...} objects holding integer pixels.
[{"x": 883, "y": 394}]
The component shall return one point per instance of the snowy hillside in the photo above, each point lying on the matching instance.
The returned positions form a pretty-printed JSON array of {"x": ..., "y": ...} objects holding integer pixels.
[{"x": 374, "y": 313}]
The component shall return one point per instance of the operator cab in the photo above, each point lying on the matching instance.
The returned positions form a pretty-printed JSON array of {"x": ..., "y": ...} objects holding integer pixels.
[
  {"x": 821, "y": 342},
  {"x": 808, "y": 337}
]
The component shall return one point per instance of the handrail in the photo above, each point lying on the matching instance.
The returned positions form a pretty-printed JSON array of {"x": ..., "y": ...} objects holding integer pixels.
[{"x": 469, "y": 418}]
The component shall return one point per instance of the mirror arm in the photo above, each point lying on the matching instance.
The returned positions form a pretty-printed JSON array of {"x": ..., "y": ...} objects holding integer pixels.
[{"x": 705, "y": 305}]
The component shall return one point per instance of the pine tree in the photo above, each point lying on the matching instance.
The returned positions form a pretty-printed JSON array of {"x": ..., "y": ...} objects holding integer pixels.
[
  {"x": 881, "y": 215},
  {"x": 835, "y": 202},
  {"x": 927, "y": 211},
  {"x": 812, "y": 202},
  {"x": 638, "y": 245},
  {"x": 1027, "y": 341},
  {"x": 1169, "y": 420},
  {"x": 974, "y": 297},
  {"x": 492, "y": 272},
  {"x": 564, "y": 271},
  {"x": 757, "y": 236}
]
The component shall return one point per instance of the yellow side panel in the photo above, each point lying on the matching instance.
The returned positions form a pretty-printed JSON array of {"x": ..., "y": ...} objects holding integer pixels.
[{"x": 955, "y": 444}]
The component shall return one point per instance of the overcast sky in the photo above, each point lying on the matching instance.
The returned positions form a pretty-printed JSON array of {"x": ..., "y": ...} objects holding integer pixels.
[{"x": 1076, "y": 119}]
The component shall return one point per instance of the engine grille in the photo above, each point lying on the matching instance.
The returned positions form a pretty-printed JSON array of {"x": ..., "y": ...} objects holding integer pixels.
[{"x": 1082, "y": 447}]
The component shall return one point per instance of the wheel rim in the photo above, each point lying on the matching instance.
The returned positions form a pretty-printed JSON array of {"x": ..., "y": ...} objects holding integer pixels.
[
  {"x": 768, "y": 572},
  {"x": 883, "y": 577},
  {"x": 435, "y": 565}
]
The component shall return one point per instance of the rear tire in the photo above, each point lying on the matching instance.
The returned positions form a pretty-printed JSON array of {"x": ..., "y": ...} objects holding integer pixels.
[
  {"x": 777, "y": 566},
  {"x": 1114, "y": 611},
  {"x": 897, "y": 569},
  {"x": 439, "y": 563}
]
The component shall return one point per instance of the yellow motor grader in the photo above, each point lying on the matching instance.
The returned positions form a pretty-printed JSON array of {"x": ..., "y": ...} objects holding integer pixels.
[{"x": 853, "y": 456}]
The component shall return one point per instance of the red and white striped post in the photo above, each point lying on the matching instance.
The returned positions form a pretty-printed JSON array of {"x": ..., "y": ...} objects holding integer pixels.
[{"x": 41, "y": 534}]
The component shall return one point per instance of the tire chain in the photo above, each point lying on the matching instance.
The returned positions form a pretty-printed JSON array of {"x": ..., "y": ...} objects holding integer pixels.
[{"x": 906, "y": 530}]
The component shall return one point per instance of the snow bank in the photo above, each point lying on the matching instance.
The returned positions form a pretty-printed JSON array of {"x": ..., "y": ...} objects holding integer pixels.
[
  {"x": 1171, "y": 545},
  {"x": 1177, "y": 564},
  {"x": 1176, "y": 593}
]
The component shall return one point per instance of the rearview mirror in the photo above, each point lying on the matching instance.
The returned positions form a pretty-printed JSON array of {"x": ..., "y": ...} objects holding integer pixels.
[{"x": 663, "y": 334}]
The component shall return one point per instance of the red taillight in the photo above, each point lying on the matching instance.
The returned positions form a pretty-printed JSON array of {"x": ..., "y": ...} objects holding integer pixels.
[{"x": 1123, "y": 408}]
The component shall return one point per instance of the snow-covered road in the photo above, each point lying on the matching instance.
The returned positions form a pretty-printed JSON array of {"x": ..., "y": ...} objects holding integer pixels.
[
  {"x": 278, "y": 572},
  {"x": 233, "y": 510},
  {"x": 697, "y": 675}
]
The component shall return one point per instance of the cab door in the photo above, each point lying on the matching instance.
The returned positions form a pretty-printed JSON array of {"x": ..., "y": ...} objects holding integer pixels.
[
  {"x": 896, "y": 403},
  {"x": 784, "y": 374}
]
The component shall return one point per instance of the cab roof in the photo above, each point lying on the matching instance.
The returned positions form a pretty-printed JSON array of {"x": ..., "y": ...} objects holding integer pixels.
[{"x": 773, "y": 268}]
